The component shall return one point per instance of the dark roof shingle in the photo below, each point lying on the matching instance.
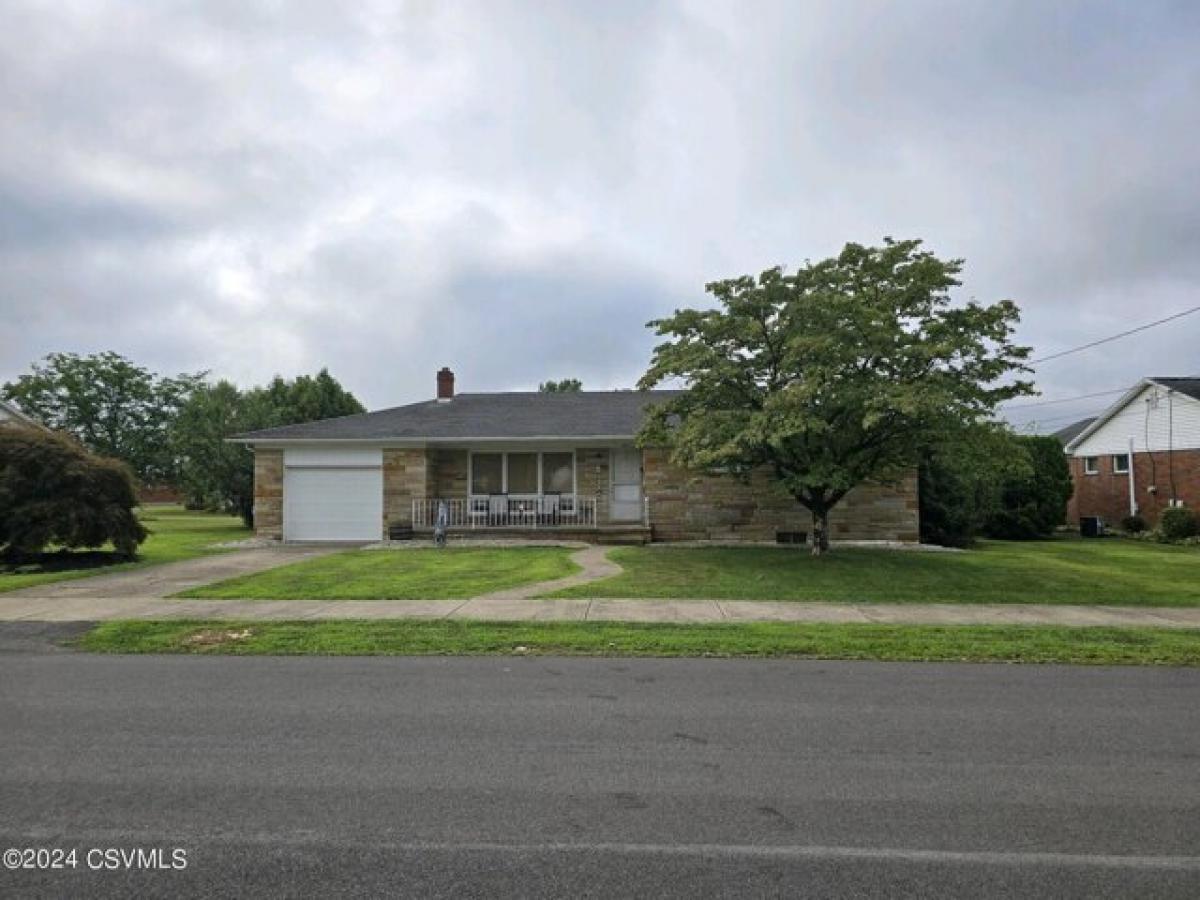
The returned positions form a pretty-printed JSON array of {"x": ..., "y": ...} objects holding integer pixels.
[
  {"x": 1189, "y": 386},
  {"x": 1072, "y": 431},
  {"x": 508, "y": 415}
]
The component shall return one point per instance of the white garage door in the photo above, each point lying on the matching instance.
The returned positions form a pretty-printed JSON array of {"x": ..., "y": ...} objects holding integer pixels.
[{"x": 332, "y": 504}]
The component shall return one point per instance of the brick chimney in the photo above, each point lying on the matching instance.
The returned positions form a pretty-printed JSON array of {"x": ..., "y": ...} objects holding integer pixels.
[{"x": 445, "y": 384}]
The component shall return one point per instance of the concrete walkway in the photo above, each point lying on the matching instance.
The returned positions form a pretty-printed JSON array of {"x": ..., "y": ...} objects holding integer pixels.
[
  {"x": 599, "y": 610},
  {"x": 143, "y": 594}
]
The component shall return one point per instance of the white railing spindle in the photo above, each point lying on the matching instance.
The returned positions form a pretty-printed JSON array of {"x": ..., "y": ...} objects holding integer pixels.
[{"x": 533, "y": 512}]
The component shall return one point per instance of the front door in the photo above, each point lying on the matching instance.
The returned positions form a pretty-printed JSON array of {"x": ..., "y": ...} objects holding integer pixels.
[{"x": 625, "y": 500}]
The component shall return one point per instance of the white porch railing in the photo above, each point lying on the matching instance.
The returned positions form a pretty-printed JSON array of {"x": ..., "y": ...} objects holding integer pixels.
[{"x": 504, "y": 511}]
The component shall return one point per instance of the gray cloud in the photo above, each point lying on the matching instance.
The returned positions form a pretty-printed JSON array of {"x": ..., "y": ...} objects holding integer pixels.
[{"x": 255, "y": 188}]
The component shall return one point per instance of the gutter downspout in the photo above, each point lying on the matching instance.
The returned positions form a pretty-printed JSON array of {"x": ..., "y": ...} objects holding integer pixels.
[
  {"x": 1133, "y": 507},
  {"x": 1171, "y": 447}
]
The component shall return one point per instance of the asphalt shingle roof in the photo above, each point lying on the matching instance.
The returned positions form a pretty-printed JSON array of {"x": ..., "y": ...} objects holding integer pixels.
[
  {"x": 1189, "y": 386},
  {"x": 1072, "y": 431},
  {"x": 509, "y": 415}
]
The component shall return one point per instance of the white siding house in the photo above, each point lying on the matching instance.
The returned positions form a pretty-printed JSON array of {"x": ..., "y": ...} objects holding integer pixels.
[
  {"x": 1156, "y": 416},
  {"x": 1160, "y": 418}
]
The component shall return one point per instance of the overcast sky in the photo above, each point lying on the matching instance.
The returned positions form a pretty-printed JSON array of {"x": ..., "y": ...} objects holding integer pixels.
[{"x": 514, "y": 189}]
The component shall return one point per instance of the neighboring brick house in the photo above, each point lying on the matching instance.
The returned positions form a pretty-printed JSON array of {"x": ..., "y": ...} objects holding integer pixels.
[
  {"x": 562, "y": 463},
  {"x": 1142, "y": 454}
]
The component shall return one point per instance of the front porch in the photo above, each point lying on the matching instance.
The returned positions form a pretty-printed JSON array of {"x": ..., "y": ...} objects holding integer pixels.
[
  {"x": 547, "y": 490},
  {"x": 544, "y": 517}
]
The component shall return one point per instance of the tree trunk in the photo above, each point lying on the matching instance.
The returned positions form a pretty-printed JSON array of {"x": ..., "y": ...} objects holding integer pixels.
[{"x": 820, "y": 535}]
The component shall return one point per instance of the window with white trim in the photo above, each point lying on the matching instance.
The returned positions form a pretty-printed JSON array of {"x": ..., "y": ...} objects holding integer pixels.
[
  {"x": 1091, "y": 465},
  {"x": 1120, "y": 463},
  {"x": 531, "y": 473}
]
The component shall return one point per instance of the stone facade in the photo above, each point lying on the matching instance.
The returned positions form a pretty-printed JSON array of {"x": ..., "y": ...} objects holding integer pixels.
[
  {"x": 684, "y": 505},
  {"x": 1106, "y": 494},
  {"x": 407, "y": 475},
  {"x": 591, "y": 478},
  {"x": 268, "y": 493},
  {"x": 687, "y": 505}
]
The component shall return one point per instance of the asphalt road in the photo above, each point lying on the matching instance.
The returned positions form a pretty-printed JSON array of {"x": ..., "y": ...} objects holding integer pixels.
[{"x": 533, "y": 777}]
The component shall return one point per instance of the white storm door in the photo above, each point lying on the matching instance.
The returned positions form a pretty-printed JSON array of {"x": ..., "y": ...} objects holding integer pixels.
[{"x": 625, "y": 501}]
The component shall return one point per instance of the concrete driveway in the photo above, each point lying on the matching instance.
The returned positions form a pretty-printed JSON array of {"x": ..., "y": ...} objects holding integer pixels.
[{"x": 94, "y": 593}]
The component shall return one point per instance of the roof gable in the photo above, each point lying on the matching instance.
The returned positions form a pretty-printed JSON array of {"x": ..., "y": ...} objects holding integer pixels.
[
  {"x": 1189, "y": 388},
  {"x": 1072, "y": 431}
]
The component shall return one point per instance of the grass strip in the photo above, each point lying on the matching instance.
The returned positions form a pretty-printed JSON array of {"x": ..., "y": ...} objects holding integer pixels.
[{"x": 408, "y": 637}]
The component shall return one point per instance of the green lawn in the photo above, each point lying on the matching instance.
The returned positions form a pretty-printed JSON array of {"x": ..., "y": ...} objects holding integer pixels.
[
  {"x": 993, "y": 643},
  {"x": 398, "y": 575},
  {"x": 1110, "y": 571},
  {"x": 175, "y": 534}
]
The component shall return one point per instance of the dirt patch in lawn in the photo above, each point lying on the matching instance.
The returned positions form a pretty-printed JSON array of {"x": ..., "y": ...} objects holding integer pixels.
[{"x": 217, "y": 637}]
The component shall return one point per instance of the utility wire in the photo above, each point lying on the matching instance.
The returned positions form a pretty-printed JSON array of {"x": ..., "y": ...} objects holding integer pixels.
[
  {"x": 1088, "y": 346},
  {"x": 1064, "y": 399},
  {"x": 1046, "y": 421}
]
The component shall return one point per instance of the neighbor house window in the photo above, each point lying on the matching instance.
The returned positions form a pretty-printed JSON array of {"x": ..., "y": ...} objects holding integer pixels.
[
  {"x": 1120, "y": 463},
  {"x": 558, "y": 473},
  {"x": 487, "y": 473},
  {"x": 522, "y": 473},
  {"x": 1091, "y": 465}
]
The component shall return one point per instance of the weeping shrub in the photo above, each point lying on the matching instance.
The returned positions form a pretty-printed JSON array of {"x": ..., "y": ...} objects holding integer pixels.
[{"x": 53, "y": 492}]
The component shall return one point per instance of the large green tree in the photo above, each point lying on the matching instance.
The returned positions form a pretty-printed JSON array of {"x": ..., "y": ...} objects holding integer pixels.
[
  {"x": 112, "y": 406},
  {"x": 216, "y": 474},
  {"x": 838, "y": 374},
  {"x": 564, "y": 386}
]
